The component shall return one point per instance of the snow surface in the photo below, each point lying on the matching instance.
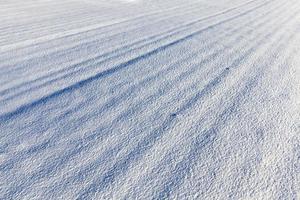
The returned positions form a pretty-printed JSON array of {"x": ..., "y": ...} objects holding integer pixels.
[{"x": 150, "y": 99}]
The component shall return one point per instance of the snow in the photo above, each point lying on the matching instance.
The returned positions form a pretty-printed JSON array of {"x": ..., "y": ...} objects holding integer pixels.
[{"x": 173, "y": 99}]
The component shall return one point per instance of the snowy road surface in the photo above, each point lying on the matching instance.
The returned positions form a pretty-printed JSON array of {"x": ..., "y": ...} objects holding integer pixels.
[{"x": 150, "y": 99}]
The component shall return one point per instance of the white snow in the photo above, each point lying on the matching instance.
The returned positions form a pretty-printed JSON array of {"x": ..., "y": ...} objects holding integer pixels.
[{"x": 150, "y": 99}]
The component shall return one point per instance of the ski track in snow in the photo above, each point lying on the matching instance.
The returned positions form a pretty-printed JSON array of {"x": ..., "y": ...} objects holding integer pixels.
[{"x": 150, "y": 99}]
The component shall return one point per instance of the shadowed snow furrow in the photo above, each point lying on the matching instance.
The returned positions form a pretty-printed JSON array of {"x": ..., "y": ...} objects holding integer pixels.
[
  {"x": 85, "y": 40},
  {"x": 207, "y": 137},
  {"x": 61, "y": 77},
  {"x": 147, "y": 143},
  {"x": 172, "y": 117},
  {"x": 149, "y": 99},
  {"x": 154, "y": 14},
  {"x": 106, "y": 36},
  {"x": 132, "y": 89},
  {"x": 200, "y": 125},
  {"x": 81, "y": 83},
  {"x": 47, "y": 140}
]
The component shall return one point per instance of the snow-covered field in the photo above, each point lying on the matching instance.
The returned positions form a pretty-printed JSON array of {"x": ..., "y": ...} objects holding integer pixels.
[{"x": 150, "y": 99}]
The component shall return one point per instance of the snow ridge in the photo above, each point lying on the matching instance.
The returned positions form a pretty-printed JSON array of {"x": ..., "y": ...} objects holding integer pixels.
[{"x": 180, "y": 100}]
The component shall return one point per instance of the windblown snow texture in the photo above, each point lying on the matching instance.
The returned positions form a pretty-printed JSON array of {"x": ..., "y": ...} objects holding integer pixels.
[{"x": 161, "y": 99}]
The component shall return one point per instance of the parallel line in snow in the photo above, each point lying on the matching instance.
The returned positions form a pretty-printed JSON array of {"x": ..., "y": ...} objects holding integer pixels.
[
  {"x": 55, "y": 36},
  {"x": 45, "y": 144},
  {"x": 23, "y": 108},
  {"x": 122, "y": 165},
  {"x": 132, "y": 89},
  {"x": 207, "y": 137},
  {"x": 96, "y": 34},
  {"x": 95, "y": 61}
]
